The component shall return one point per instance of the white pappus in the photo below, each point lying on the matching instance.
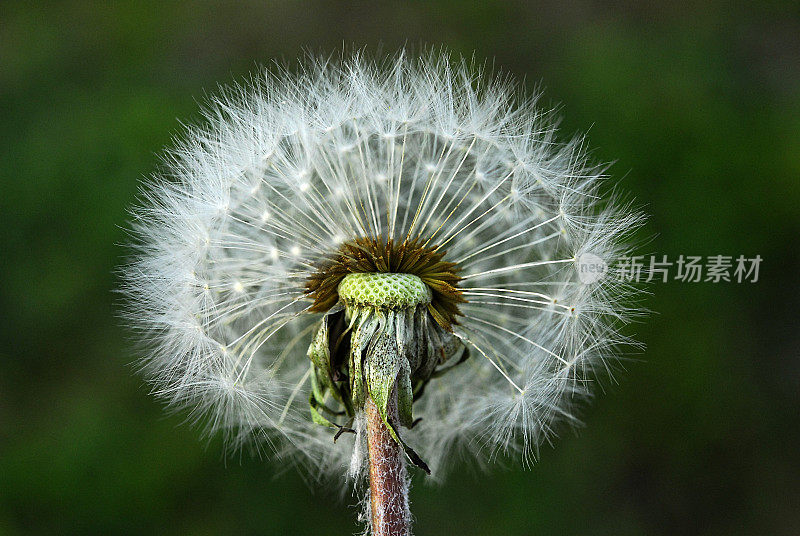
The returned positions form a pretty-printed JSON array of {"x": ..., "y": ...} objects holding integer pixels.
[{"x": 289, "y": 167}]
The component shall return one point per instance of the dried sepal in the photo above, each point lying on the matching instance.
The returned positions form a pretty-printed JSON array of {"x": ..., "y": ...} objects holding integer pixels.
[{"x": 391, "y": 353}]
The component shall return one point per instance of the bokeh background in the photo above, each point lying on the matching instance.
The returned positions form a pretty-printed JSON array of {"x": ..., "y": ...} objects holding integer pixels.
[{"x": 700, "y": 110}]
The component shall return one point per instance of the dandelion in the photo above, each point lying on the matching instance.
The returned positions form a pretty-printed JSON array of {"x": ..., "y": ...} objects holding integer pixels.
[{"x": 370, "y": 263}]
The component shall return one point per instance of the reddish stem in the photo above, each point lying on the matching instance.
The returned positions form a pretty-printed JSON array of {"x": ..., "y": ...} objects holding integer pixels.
[{"x": 387, "y": 476}]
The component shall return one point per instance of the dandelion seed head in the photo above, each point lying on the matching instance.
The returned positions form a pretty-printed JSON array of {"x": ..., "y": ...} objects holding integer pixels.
[{"x": 296, "y": 180}]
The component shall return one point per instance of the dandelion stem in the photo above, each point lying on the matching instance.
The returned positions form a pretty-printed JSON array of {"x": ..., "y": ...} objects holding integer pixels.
[{"x": 388, "y": 486}]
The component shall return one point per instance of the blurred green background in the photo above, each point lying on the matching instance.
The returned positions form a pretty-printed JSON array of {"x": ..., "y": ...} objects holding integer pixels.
[{"x": 700, "y": 109}]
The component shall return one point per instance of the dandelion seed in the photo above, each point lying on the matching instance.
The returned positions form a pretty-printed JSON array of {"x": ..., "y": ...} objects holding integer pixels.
[{"x": 370, "y": 244}]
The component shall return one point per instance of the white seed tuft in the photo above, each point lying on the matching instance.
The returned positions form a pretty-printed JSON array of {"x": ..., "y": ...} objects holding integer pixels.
[{"x": 290, "y": 165}]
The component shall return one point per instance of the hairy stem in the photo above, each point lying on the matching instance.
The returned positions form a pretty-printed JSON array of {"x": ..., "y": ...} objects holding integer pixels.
[{"x": 388, "y": 486}]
